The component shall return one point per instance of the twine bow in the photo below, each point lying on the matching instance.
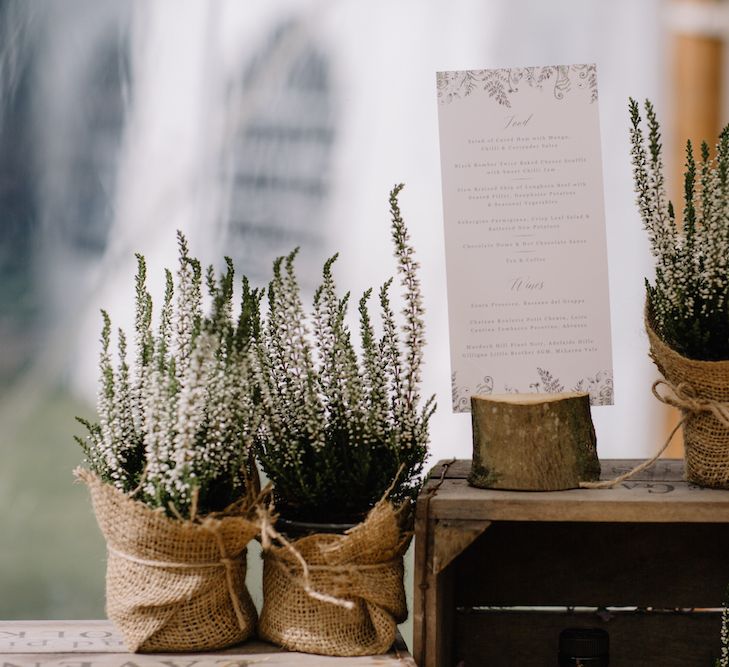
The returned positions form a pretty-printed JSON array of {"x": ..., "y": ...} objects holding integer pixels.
[
  {"x": 344, "y": 572},
  {"x": 683, "y": 396},
  {"x": 269, "y": 535},
  {"x": 212, "y": 527},
  {"x": 685, "y": 399}
]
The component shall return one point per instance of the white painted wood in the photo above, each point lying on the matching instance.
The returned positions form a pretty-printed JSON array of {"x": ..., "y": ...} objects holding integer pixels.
[{"x": 98, "y": 644}]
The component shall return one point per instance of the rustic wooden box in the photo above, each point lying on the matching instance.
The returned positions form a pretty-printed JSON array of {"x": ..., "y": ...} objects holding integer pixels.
[{"x": 498, "y": 574}]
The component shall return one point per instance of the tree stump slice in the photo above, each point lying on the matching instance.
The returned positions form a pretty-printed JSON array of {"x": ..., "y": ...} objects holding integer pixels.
[{"x": 533, "y": 442}]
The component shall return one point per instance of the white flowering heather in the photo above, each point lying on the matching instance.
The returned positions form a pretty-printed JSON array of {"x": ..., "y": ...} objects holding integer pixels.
[
  {"x": 106, "y": 446},
  {"x": 143, "y": 340},
  {"x": 338, "y": 425},
  {"x": 689, "y": 301},
  {"x": 189, "y": 307},
  {"x": 179, "y": 432}
]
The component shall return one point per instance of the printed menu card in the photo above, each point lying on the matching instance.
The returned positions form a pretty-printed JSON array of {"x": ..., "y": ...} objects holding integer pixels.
[{"x": 524, "y": 218}]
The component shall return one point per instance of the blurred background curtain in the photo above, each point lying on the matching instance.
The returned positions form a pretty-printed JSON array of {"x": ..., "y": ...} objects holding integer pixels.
[{"x": 254, "y": 127}]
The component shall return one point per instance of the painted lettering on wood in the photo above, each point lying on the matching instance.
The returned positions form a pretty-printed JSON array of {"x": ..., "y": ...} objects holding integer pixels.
[{"x": 98, "y": 644}]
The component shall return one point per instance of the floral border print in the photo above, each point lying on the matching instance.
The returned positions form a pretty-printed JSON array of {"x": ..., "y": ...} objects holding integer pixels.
[
  {"x": 462, "y": 395},
  {"x": 501, "y": 84},
  {"x": 599, "y": 386}
]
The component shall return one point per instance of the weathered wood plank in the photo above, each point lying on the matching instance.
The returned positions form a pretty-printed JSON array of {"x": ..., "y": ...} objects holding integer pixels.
[
  {"x": 666, "y": 470},
  {"x": 98, "y": 644},
  {"x": 458, "y": 469},
  {"x": 636, "y": 533},
  {"x": 422, "y": 577},
  {"x": 630, "y": 501},
  {"x": 196, "y": 660},
  {"x": 663, "y": 470},
  {"x": 595, "y": 565},
  {"x": 439, "y": 604},
  {"x": 452, "y": 538},
  {"x": 530, "y": 639},
  {"x": 59, "y": 637}
]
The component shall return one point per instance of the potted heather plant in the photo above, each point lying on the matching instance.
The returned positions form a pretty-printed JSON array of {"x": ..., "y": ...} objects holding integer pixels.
[
  {"x": 168, "y": 464},
  {"x": 687, "y": 305},
  {"x": 343, "y": 438}
]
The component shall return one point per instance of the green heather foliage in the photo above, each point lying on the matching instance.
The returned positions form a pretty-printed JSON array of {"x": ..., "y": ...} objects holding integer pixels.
[
  {"x": 689, "y": 300},
  {"x": 338, "y": 425},
  {"x": 177, "y": 431}
]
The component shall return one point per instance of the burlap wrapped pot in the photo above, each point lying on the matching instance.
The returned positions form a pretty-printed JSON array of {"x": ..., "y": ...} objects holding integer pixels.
[
  {"x": 173, "y": 585},
  {"x": 363, "y": 567},
  {"x": 700, "y": 389}
]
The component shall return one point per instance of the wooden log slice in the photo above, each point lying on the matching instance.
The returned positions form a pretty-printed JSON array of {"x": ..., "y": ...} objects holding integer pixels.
[{"x": 535, "y": 442}]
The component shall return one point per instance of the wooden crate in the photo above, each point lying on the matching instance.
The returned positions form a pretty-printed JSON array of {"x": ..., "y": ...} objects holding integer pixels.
[
  {"x": 498, "y": 574},
  {"x": 98, "y": 644}
]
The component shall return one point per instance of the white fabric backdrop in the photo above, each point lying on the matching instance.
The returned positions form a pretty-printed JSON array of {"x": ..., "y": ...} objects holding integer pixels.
[{"x": 383, "y": 57}]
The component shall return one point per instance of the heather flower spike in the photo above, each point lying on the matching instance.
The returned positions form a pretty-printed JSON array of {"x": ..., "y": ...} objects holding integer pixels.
[
  {"x": 177, "y": 427},
  {"x": 688, "y": 300},
  {"x": 341, "y": 422}
]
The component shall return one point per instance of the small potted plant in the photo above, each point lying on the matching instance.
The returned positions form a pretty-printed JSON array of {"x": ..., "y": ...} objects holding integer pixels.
[
  {"x": 687, "y": 305},
  {"x": 168, "y": 465},
  {"x": 343, "y": 438}
]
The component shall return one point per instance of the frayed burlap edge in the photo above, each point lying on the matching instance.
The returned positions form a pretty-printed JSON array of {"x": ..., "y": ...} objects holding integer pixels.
[
  {"x": 347, "y": 597},
  {"x": 173, "y": 585},
  {"x": 700, "y": 389}
]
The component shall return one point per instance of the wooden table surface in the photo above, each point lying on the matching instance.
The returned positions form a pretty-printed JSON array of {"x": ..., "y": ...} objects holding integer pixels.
[
  {"x": 98, "y": 644},
  {"x": 659, "y": 494}
]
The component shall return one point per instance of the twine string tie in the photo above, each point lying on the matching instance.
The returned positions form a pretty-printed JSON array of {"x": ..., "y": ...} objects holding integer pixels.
[
  {"x": 682, "y": 396},
  {"x": 269, "y": 535},
  {"x": 225, "y": 561}
]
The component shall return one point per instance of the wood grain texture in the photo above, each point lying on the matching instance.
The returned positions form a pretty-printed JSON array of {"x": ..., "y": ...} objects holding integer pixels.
[
  {"x": 665, "y": 470},
  {"x": 422, "y": 577},
  {"x": 424, "y": 605},
  {"x": 631, "y": 501},
  {"x": 439, "y": 603},
  {"x": 530, "y": 639},
  {"x": 452, "y": 539},
  {"x": 98, "y": 644},
  {"x": 535, "y": 442},
  {"x": 654, "y": 541}
]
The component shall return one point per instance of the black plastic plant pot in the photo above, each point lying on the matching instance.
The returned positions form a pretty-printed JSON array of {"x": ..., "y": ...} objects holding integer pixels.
[
  {"x": 588, "y": 647},
  {"x": 293, "y": 530}
]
